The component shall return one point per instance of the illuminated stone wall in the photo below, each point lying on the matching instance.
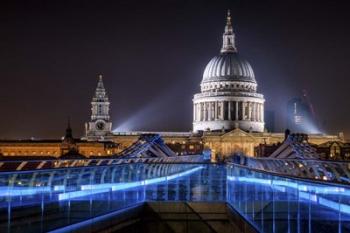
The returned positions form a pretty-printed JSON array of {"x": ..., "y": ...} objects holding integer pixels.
[
  {"x": 31, "y": 149},
  {"x": 222, "y": 144},
  {"x": 52, "y": 149}
]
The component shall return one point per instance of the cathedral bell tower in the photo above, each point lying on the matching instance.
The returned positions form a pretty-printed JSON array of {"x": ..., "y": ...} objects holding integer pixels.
[{"x": 100, "y": 127}]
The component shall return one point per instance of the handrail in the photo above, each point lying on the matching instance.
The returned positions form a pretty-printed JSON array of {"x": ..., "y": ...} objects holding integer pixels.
[
  {"x": 304, "y": 179},
  {"x": 308, "y": 159},
  {"x": 8, "y": 166},
  {"x": 313, "y": 169}
]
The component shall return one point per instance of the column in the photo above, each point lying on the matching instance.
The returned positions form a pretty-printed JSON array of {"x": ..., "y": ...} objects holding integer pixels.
[
  {"x": 243, "y": 110},
  {"x": 194, "y": 112},
  {"x": 249, "y": 111},
  {"x": 215, "y": 110},
  {"x": 254, "y": 111},
  {"x": 198, "y": 113},
  {"x": 219, "y": 110},
  {"x": 229, "y": 110},
  {"x": 262, "y": 113},
  {"x": 222, "y": 110},
  {"x": 207, "y": 107},
  {"x": 209, "y": 111},
  {"x": 201, "y": 111},
  {"x": 236, "y": 111}
]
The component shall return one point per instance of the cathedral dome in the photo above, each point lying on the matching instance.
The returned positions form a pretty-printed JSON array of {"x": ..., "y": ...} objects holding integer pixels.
[
  {"x": 229, "y": 97},
  {"x": 228, "y": 66}
]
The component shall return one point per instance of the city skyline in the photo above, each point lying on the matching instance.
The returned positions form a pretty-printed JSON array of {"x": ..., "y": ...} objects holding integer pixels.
[{"x": 52, "y": 66}]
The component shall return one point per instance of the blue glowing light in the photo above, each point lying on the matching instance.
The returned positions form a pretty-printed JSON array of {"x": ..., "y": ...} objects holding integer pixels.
[
  {"x": 75, "y": 194},
  {"x": 22, "y": 191},
  {"x": 107, "y": 187},
  {"x": 249, "y": 193},
  {"x": 304, "y": 191}
]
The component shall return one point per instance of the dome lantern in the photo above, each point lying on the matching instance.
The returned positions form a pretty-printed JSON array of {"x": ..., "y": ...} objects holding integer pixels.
[{"x": 228, "y": 38}]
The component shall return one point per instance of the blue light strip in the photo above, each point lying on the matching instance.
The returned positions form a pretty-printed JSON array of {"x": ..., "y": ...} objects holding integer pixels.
[
  {"x": 69, "y": 195},
  {"x": 305, "y": 188},
  {"x": 303, "y": 191},
  {"x": 308, "y": 196},
  {"x": 6, "y": 191},
  {"x": 334, "y": 205},
  {"x": 22, "y": 191},
  {"x": 102, "y": 188}
]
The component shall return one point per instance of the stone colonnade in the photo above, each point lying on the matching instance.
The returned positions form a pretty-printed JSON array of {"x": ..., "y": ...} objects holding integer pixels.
[{"x": 228, "y": 110}]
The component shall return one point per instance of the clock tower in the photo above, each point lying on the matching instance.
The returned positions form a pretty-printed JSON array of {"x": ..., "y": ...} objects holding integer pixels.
[{"x": 100, "y": 127}]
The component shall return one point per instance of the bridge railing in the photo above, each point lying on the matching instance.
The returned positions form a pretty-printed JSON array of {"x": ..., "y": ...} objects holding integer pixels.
[
  {"x": 7, "y": 166},
  {"x": 330, "y": 171}
]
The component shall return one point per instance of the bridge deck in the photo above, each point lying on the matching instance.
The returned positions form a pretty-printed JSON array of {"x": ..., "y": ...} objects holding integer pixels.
[{"x": 52, "y": 199}]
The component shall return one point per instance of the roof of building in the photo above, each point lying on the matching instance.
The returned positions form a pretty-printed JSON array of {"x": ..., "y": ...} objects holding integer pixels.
[
  {"x": 228, "y": 67},
  {"x": 296, "y": 146}
]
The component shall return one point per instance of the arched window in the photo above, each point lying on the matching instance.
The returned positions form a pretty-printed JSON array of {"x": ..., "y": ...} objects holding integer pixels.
[{"x": 335, "y": 150}]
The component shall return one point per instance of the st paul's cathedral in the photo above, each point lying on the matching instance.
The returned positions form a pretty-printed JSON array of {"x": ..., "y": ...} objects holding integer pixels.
[{"x": 228, "y": 116}]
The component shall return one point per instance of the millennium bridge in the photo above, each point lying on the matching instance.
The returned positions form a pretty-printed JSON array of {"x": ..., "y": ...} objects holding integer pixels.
[{"x": 147, "y": 188}]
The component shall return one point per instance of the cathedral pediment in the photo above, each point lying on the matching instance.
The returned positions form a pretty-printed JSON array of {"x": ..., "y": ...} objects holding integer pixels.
[{"x": 237, "y": 134}]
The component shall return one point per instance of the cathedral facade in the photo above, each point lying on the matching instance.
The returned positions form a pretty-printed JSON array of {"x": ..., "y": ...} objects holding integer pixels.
[
  {"x": 228, "y": 113},
  {"x": 228, "y": 97}
]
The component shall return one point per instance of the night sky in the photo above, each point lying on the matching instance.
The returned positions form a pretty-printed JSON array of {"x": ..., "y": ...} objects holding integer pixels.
[{"x": 152, "y": 55}]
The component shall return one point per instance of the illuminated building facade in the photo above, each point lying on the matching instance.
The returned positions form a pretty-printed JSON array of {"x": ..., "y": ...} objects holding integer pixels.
[
  {"x": 100, "y": 126},
  {"x": 228, "y": 97},
  {"x": 48, "y": 149},
  {"x": 228, "y": 114},
  {"x": 221, "y": 144}
]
